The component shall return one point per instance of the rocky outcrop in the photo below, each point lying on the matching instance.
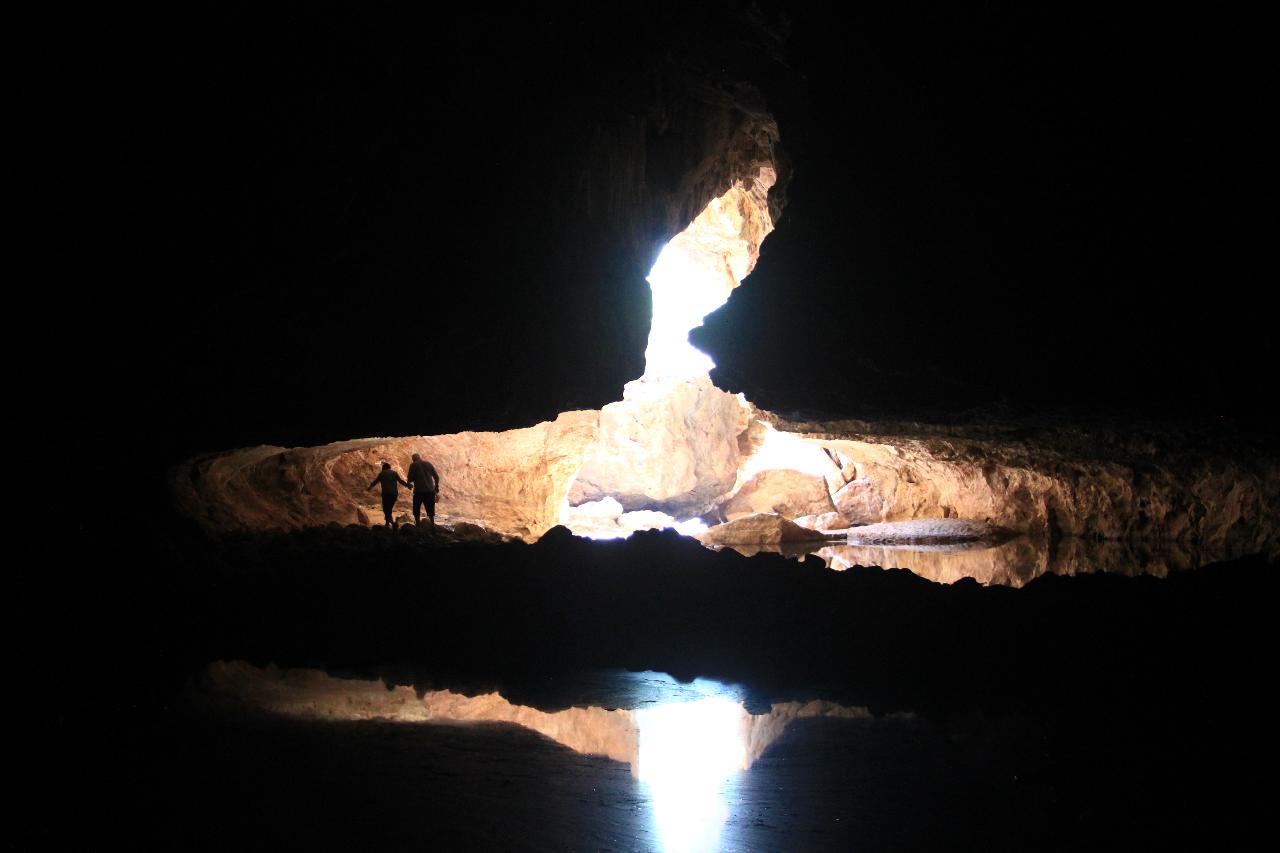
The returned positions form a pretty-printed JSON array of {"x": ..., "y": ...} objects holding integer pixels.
[
  {"x": 826, "y": 521},
  {"x": 666, "y": 447},
  {"x": 760, "y": 529},
  {"x": 860, "y": 502},
  {"x": 1056, "y": 482},
  {"x": 683, "y": 451},
  {"x": 513, "y": 482},
  {"x": 786, "y": 492}
]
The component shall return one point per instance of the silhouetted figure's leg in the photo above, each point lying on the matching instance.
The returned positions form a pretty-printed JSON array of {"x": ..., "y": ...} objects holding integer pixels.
[
  {"x": 430, "y": 500},
  {"x": 418, "y": 500},
  {"x": 388, "y": 504}
]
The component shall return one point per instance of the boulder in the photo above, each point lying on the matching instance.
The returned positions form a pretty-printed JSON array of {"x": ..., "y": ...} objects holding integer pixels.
[
  {"x": 758, "y": 529},
  {"x": 825, "y": 521},
  {"x": 668, "y": 446},
  {"x": 860, "y": 502},
  {"x": 785, "y": 492}
]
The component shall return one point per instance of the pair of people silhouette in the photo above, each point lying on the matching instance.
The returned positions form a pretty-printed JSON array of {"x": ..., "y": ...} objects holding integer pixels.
[{"x": 423, "y": 480}]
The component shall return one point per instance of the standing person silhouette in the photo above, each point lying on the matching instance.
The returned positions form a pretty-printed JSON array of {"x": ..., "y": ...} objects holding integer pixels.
[
  {"x": 388, "y": 479},
  {"x": 426, "y": 483}
]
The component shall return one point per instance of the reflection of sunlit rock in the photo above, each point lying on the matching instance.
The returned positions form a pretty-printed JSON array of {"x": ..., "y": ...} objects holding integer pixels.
[
  {"x": 1012, "y": 563},
  {"x": 1022, "y": 559},
  {"x": 686, "y": 744},
  {"x": 316, "y": 695}
]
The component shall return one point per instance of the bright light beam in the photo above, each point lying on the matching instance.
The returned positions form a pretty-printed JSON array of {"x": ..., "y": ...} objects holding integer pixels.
[{"x": 684, "y": 293}]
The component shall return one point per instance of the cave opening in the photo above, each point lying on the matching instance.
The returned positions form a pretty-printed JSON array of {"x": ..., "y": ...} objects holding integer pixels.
[{"x": 676, "y": 446}]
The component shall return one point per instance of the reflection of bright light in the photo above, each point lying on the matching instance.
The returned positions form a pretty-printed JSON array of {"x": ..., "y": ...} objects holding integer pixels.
[
  {"x": 688, "y": 750},
  {"x": 684, "y": 292}
]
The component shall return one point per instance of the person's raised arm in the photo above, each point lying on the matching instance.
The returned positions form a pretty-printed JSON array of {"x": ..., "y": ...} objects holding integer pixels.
[{"x": 371, "y": 485}]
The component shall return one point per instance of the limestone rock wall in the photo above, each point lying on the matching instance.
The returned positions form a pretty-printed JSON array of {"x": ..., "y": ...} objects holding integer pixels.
[
  {"x": 512, "y": 482},
  {"x": 685, "y": 453},
  {"x": 1056, "y": 483}
]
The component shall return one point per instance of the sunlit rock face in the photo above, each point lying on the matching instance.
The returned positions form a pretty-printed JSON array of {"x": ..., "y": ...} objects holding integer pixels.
[
  {"x": 826, "y": 521},
  {"x": 861, "y": 501},
  {"x": 1059, "y": 483},
  {"x": 786, "y": 492},
  {"x": 513, "y": 482},
  {"x": 666, "y": 447}
]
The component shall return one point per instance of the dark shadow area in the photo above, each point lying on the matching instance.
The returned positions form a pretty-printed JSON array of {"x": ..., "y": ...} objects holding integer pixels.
[
  {"x": 1141, "y": 694},
  {"x": 356, "y": 598},
  {"x": 1015, "y": 209}
]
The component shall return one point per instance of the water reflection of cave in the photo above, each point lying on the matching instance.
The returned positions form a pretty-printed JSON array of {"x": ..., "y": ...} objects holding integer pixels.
[{"x": 684, "y": 743}]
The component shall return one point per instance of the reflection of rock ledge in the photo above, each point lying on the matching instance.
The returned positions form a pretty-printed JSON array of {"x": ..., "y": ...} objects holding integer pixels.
[{"x": 613, "y": 733}]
